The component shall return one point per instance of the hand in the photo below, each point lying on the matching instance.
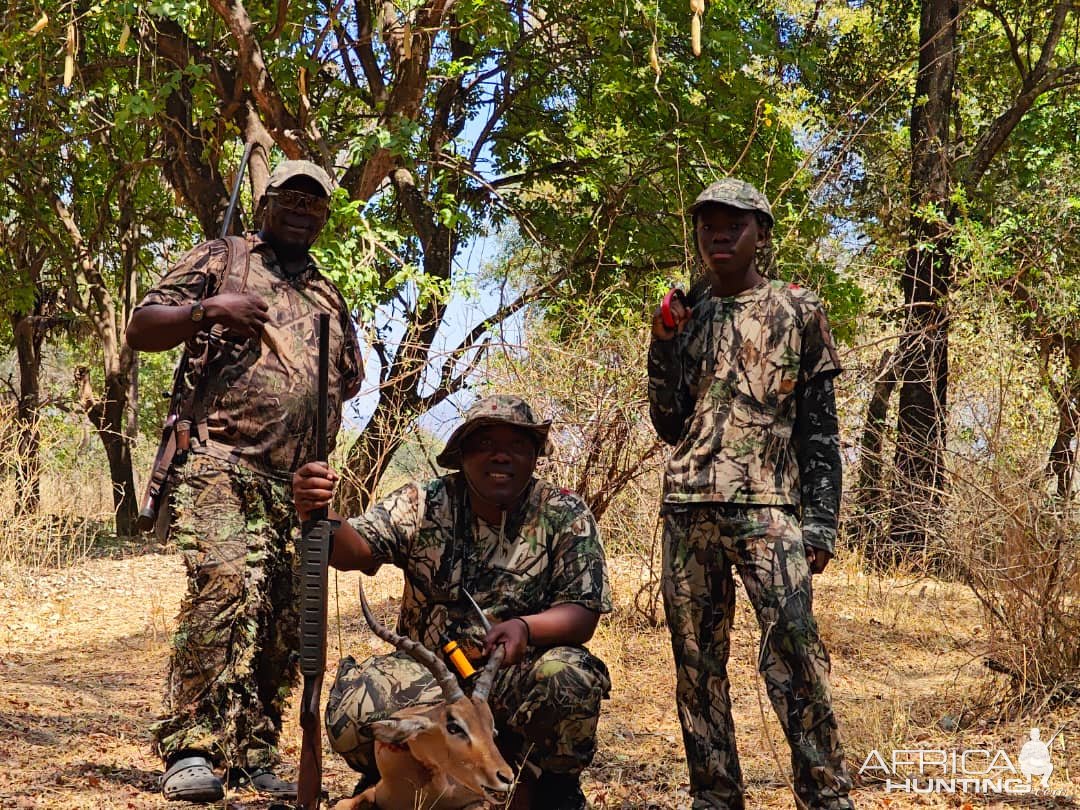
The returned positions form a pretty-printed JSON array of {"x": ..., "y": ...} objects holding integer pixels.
[
  {"x": 513, "y": 635},
  {"x": 313, "y": 488},
  {"x": 680, "y": 313},
  {"x": 817, "y": 559},
  {"x": 243, "y": 313}
]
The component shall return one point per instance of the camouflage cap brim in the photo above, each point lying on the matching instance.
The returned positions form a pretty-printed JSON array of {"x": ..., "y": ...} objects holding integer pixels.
[
  {"x": 450, "y": 457},
  {"x": 734, "y": 193},
  {"x": 288, "y": 169}
]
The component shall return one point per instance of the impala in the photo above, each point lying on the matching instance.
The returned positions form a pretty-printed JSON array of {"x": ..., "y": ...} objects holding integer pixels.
[{"x": 440, "y": 757}]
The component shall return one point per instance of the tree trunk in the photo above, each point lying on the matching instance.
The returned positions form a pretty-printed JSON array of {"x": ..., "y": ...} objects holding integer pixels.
[
  {"x": 118, "y": 450},
  {"x": 109, "y": 416},
  {"x": 28, "y": 339},
  {"x": 924, "y": 347},
  {"x": 870, "y": 521},
  {"x": 400, "y": 400},
  {"x": 370, "y": 455},
  {"x": 1062, "y": 462}
]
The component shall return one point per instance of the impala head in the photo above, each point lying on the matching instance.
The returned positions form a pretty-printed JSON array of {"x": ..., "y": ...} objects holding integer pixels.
[{"x": 455, "y": 738}]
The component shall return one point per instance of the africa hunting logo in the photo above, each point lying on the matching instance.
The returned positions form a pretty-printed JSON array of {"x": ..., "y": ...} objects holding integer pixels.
[{"x": 971, "y": 770}]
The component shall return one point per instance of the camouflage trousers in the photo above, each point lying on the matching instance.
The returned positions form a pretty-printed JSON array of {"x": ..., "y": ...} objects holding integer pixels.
[
  {"x": 765, "y": 546},
  {"x": 545, "y": 708},
  {"x": 234, "y": 656}
]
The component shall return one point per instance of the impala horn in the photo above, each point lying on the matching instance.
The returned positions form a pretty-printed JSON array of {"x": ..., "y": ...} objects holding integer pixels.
[{"x": 422, "y": 655}]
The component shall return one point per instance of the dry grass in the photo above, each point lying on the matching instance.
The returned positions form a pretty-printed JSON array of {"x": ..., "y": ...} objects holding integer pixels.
[
  {"x": 83, "y": 654},
  {"x": 76, "y": 500}
]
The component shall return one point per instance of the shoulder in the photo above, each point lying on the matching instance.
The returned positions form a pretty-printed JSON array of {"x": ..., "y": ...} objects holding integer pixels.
[
  {"x": 438, "y": 489},
  {"x": 799, "y": 303},
  {"x": 799, "y": 297},
  {"x": 205, "y": 255},
  {"x": 319, "y": 279},
  {"x": 558, "y": 505}
]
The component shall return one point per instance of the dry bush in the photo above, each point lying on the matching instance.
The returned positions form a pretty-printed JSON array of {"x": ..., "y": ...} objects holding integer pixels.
[
  {"x": 1024, "y": 567},
  {"x": 592, "y": 385},
  {"x": 1014, "y": 543},
  {"x": 76, "y": 502},
  {"x": 1004, "y": 534}
]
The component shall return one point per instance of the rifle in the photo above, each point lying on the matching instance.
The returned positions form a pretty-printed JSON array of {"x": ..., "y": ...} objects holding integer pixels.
[
  {"x": 176, "y": 432},
  {"x": 314, "y": 556}
]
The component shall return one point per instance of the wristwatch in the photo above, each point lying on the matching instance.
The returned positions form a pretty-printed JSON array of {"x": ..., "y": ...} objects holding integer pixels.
[{"x": 198, "y": 312}]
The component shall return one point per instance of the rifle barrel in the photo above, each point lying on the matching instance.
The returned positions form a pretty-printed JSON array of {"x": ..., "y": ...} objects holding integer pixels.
[
  {"x": 225, "y": 223},
  {"x": 321, "y": 449}
]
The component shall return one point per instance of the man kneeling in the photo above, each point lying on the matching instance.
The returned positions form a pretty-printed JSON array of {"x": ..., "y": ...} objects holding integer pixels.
[{"x": 528, "y": 552}]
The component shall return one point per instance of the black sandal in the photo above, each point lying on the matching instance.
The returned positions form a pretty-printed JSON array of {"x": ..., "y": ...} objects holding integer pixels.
[
  {"x": 265, "y": 781},
  {"x": 191, "y": 779}
]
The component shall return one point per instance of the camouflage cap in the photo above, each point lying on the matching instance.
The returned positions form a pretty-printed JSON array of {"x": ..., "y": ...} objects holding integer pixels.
[
  {"x": 500, "y": 409},
  {"x": 288, "y": 169},
  {"x": 736, "y": 193}
]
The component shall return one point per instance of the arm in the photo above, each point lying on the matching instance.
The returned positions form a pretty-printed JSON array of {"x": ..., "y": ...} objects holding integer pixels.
[
  {"x": 670, "y": 404},
  {"x": 352, "y": 362},
  {"x": 566, "y": 624},
  {"x": 563, "y": 624},
  {"x": 817, "y": 446},
  {"x": 158, "y": 327},
  {"x": 163, "y": 318},
  {"x": 364, "y": 543}
]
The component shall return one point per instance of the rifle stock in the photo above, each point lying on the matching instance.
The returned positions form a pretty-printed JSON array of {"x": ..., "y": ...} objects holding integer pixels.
[{"x": 314, "y": 558}]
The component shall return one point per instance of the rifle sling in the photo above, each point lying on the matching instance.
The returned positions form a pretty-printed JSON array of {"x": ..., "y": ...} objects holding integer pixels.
[{"x": 235, "y": 246}]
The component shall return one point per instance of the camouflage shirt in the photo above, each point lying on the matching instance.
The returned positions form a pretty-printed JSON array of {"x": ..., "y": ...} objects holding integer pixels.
[
  {"x": 744, "y": 393},
  {"x": 547, "y": 552},
  {"x": 260, "y": 393}
]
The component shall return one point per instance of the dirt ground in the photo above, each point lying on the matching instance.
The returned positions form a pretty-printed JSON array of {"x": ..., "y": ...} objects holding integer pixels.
[{"x": 83, "y": 654}]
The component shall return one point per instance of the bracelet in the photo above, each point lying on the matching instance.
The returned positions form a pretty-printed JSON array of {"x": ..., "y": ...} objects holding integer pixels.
[{"x": 528, "y": 631}]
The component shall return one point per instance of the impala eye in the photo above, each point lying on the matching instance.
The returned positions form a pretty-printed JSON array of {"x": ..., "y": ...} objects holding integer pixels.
[{"x": 455, "y": 729}]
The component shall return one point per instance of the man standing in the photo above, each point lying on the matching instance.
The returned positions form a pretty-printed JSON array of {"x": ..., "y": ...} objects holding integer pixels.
[
  {"x": 525, "y": 550},
  {"x": 250, "y": 314},
  {"x": 742, "y": 385}
]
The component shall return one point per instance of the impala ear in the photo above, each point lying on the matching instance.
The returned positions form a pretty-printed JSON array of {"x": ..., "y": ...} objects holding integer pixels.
[{"x": 399, "y": 730}]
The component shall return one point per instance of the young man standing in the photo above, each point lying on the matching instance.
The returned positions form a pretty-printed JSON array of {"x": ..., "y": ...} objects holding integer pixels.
[
  {"x": 235, "y": 649},
  {"x": 741, "y": 383}
]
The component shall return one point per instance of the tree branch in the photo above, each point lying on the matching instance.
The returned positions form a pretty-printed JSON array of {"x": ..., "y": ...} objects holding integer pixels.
[
  {"x": 1053, "y": 36},
  {"x": 1039, "y": 80},
  {"x": 415, "y": 206},
  {"x": 281, "y": 123},
  {"x": 1014, "y": 43}
]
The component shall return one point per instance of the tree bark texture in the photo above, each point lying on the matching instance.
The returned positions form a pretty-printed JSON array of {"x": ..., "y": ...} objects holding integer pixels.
[
  {"x": 868, "y": 528},
  {"x": 1061, "y": 464},
  {"x": 927, "y": 276},
  {"x": 29, "y": 336}
]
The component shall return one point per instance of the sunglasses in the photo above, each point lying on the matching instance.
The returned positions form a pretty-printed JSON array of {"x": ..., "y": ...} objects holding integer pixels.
[{"x": 300, "y": 201}]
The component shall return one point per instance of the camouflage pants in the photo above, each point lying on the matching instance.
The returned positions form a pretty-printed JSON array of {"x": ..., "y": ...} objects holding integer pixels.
[
  {"x": 765, "y": 546},
  {"x": 234, "y": 654},
  {"x": 546, "y": 707}
]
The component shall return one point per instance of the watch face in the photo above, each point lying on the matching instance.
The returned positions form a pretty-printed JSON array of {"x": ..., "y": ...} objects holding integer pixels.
[{"x": 197, "y": 312}]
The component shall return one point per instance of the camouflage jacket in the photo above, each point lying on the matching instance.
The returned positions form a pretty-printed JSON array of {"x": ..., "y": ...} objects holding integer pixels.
[
  {"x": 745, "y": 394},
  {"x": 547, "y": 552},
  {"x": 259, "y": 400}
]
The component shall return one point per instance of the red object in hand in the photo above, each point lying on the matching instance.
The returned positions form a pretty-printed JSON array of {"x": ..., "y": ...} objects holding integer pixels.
[{"x": 665, "y": 306}]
